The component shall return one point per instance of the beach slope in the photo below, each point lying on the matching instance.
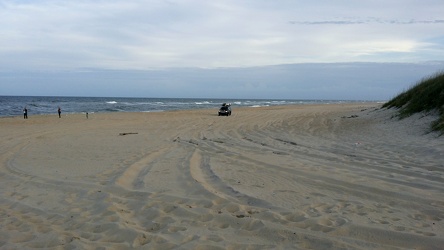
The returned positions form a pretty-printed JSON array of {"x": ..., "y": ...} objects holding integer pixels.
[{"x": 337, "y": 176}]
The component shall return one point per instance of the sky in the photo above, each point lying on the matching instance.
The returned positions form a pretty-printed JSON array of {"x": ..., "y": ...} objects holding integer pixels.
[{"x": 288, "y": 49}]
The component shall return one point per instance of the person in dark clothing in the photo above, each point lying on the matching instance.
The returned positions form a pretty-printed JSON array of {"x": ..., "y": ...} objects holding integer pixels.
[
  {"x": 59, "y": 111},
  {"x": 25, "y": 113}
]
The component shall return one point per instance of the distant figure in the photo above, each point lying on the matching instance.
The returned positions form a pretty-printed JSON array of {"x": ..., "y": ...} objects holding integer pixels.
[
  {"x": 86, "y": 115},
  {"x": 59, "y": 111},
  {"x": 25, "y": 113}
]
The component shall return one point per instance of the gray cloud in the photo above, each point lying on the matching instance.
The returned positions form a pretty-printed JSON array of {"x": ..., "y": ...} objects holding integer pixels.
[
  {"x": 191, "y": 47},
  {"x": 369, "y": 21},
  {"x": 346, "y": 81},
  {"x": 206, "y": 34}
]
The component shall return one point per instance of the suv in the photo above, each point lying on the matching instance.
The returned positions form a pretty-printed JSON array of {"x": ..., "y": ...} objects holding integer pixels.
[{"x": 225, "y": 110}]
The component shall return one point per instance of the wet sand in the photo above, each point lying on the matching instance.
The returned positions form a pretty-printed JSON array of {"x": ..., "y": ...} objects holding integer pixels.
[{"x": 289, "y": 177}]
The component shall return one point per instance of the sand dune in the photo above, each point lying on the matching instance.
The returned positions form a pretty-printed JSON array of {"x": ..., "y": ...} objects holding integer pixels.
[{"x": 290, "y": 177}]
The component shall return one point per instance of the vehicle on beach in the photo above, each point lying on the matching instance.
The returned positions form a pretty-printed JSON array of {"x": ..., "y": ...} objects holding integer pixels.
[{"x": 225, "y": 109}]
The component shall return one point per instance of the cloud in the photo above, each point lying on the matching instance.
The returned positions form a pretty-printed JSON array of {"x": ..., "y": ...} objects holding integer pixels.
[
  {"x": 333, "y": 81},
  {"x": 372, "y": 20},
  {"x": 140, "y": 35}
]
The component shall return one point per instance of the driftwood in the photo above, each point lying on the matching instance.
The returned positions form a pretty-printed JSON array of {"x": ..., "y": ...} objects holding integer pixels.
[{"x": 130, "y": 133}]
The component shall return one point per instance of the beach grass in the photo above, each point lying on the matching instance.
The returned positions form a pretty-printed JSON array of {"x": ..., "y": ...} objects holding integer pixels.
[{"x": 425, "y": 96}]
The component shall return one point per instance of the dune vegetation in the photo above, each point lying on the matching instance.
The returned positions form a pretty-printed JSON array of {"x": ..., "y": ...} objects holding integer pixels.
[{"x": 425, "y": 96}]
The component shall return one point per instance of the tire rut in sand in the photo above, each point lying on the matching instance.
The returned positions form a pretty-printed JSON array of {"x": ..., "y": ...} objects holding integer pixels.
[
  {"x": 133, "y": 175},
  {"x": 201, "y": 171}
]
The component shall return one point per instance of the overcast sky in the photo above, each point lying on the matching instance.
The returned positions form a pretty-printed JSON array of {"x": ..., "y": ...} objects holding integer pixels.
[{"x": 190, "y": 48}]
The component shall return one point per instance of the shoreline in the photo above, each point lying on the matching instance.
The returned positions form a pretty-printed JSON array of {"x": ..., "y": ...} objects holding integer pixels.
[
  {"x": 292, "y": 176},
  {"x": 13, "y": 106},
  {"x": 194, "y": 109}
]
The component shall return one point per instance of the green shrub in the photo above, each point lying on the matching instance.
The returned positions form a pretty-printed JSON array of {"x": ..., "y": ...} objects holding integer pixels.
[{"x": 427, "y": 95}]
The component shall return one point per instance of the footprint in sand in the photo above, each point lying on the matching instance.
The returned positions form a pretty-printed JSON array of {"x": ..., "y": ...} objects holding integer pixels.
[
  {"x": 312, "y": 212},
  {"x": 175, "y": 229},
  {"x": 142, "y": 240},
  {"x": 428, "y": 234},
  {"x": 295, "y": 217},
  {"x": 384, "y": 222},
  {"x": 232, "y": 208},
  {"x": 168, "y": 208},
  {"x": 253, "y": 225},
  {"x": 205, "y": 217},
  {"x": 314, "y": 225},
  {"x": 214, "y": 238},
  {"x": 153, "y": 226}
]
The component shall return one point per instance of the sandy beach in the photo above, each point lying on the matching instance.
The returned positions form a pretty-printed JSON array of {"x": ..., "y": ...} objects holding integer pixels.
[{"x": 337, "y": 176}]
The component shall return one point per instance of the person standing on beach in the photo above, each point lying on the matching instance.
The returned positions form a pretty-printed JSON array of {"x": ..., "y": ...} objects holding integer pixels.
[
  {"x": 25, "y": 113},
  {"x": 59, "y": 111}
]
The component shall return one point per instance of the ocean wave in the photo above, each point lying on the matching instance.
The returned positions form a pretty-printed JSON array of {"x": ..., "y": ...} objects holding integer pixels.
[
  {"x": 153, "y": 111},
  {"x": 13, "y": 105},
  {"x": 202, "y": 103}
]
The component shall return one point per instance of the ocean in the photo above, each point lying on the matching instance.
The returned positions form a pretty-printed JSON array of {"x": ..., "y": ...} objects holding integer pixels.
[{"x": 37, "y": 105}]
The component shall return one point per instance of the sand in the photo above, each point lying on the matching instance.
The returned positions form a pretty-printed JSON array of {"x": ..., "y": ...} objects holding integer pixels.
[{"x": 290, "y": 177}]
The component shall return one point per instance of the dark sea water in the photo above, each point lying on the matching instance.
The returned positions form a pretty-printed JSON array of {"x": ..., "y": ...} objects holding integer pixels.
[{"x": 14, "y": 105}]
